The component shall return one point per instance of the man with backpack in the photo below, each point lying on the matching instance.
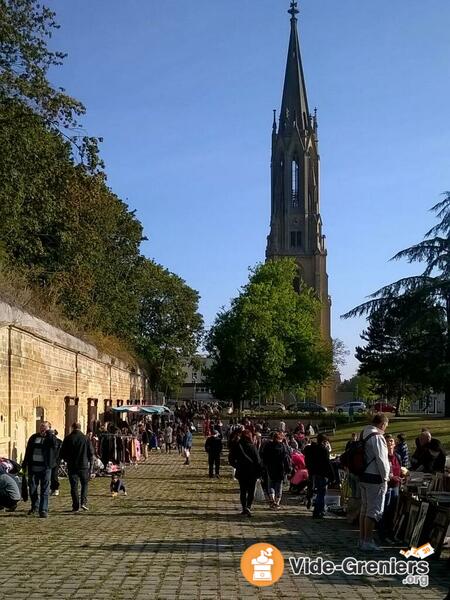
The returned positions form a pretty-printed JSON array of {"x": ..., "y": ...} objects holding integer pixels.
[{"x": 374, "y": 475}]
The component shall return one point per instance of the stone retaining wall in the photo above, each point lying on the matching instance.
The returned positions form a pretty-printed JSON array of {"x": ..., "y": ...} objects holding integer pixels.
[{"x": 43, "y": 369}]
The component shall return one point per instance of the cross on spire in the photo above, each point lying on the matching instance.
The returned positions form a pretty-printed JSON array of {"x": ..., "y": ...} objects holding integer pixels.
[{"x": 293, "y": 10}]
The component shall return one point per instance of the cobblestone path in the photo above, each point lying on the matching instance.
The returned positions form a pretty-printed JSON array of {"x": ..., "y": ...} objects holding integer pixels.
[{"x": 178, "y": 535}]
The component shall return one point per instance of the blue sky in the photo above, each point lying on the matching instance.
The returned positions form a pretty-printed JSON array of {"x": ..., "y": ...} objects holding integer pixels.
[{"x": 183, "y": 92}]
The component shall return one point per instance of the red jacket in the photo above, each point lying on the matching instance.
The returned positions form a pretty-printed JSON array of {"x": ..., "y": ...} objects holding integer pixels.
[{"x": 395, "y": 473}]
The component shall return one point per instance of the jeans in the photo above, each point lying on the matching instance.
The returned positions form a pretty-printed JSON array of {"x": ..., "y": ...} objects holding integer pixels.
[
  {"x": 247, "y": 491},
  {"x": 214, "y": 464},
  {"x": 39, "y": 485},
  {"x": 386, "y": 523},
  {"x": 275, "y": 488},
  {"x": 83, "y": 477},
  {"x": 320, "y": 484}
]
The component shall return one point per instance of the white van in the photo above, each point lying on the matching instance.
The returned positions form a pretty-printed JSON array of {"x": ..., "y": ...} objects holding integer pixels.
[{"x": 358, "y": 407}]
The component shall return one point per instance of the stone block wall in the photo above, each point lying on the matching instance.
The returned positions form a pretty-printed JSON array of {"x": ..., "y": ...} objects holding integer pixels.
[{"x": 41, "y": 366}]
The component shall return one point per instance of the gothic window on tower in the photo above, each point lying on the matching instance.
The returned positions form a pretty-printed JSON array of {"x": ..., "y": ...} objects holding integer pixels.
[
  {"x": 296, "y": 239},
  {"x": 294, "y": 183}
]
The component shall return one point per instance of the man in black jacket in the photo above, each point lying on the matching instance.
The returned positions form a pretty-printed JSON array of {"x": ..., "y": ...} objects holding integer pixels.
[
  {"x": 39, "y": 460},
  {"x": 244, "y": 457},
  {"x": 213, "y": 446},
  {"x": 320, "y": 470},
  {"x": 78, "y": 453}
]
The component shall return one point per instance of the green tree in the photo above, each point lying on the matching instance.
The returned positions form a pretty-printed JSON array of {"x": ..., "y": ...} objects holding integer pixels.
[
  {"x": 25, "y": 28},
  {"x": 169, "y": 325},
  {"x": 269, "y": 339},
  {"x": 362, "y": 386},
  {"x": 25, "y": 91},
  {"x": 404, "y": 343},
  {"x": 63, "y": 232},
  {"x": 433, "y": 285},
  {"x": 66, "y": 232}
]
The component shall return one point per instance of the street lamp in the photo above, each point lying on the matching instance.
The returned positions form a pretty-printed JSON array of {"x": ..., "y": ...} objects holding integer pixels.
[{"x": 194, "y": 381}]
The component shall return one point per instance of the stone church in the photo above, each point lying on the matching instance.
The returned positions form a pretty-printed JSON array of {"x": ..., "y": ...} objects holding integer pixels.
[{"x": 295, "y": 223}]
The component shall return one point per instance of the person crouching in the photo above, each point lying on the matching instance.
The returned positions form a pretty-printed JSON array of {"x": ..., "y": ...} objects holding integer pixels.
[{"x": 117, "y": 485}]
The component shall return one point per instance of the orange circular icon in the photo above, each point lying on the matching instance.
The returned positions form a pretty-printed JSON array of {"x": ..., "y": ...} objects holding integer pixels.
[{"x": 262, "y": 564}]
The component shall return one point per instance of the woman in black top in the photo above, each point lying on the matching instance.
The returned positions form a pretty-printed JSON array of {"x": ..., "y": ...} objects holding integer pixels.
[
  {"x": 244, "y": 457},
  {"x": 277, "y": 462}
]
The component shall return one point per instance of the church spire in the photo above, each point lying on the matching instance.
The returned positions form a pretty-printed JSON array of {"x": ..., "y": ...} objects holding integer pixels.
[{"x": 294, "y": 105}]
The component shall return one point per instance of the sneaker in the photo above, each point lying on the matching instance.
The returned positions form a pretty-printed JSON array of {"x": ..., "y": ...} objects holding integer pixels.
[
  {"x": 43, "y": 515},
  {"x": 84, "y": 507},
  {"x": 56, "y": 493},
  {"x": 32, "y": 511},
  {"x": 75, "y": 510},
  {"x": 248, "y": 512}
]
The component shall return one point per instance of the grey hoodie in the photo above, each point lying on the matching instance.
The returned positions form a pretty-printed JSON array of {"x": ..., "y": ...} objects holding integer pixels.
[{"x": 376, "y": 453}]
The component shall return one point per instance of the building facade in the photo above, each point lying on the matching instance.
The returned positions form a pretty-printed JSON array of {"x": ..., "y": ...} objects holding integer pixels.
[{"x": 295, "y": 223}]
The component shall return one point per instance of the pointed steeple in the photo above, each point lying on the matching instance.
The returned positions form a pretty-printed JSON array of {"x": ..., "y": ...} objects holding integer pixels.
[{"x": 294, "y": 105}]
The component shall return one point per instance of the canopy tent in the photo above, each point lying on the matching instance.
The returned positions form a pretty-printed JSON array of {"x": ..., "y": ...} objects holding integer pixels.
[{"x": 153, "y": 409}]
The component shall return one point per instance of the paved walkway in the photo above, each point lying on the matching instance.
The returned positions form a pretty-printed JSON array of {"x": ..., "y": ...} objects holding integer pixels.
[{"x": 177, "y": 535}]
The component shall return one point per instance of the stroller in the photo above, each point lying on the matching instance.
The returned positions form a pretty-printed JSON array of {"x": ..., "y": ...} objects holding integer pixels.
[{"x": 62, "y": 469}]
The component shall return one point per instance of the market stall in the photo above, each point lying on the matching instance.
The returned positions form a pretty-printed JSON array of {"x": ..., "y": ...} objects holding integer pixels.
[{"x": 423, "y": 511}]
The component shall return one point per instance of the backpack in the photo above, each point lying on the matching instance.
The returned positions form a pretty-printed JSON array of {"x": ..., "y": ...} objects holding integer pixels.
[
  {"x": 354, "y": 459},
  {"x": 287, "y": 462}
]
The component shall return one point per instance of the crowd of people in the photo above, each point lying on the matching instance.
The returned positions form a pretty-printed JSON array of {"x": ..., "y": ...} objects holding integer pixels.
[
  {"x": 79, "y": 453},
  {"x": 263, "y": 460},
  {"x": 375, "y": 464},
  {"x": 273, "y": 459}
]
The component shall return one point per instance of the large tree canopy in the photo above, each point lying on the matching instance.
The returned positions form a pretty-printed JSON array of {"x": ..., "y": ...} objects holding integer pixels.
[
  {"x": 405, "y": 344},
  {"x": 169, "y": 325},
  {"x": 430, "y": 289},
  {"x": 64, "y": 234},
  {"x": 25, "y": 28},
  {"x": 269, "y": 340}
]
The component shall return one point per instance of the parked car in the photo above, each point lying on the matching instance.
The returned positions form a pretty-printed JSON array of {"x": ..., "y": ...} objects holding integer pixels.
[
  {"x": 308, "y": 406},
  {"x": 383, "y": 407},
  {"x": 357, "y": 407}
]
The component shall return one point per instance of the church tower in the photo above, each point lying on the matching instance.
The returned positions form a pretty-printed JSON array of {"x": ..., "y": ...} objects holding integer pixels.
[{"x": 295, "y": 223}]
